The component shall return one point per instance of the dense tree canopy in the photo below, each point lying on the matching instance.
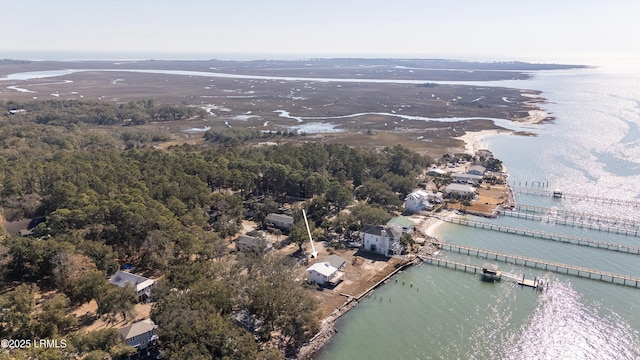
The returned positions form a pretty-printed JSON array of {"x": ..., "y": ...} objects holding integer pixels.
[{"x": 102, "y": 201}]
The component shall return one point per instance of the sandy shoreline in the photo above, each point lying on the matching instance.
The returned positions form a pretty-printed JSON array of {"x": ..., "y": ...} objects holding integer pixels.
[
  {"x": 426, "y": 225},
  {"x": 473, "y": 139}
]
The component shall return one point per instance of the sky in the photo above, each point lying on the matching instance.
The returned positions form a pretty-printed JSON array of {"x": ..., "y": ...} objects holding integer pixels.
[{"x": 584, "y": 31}]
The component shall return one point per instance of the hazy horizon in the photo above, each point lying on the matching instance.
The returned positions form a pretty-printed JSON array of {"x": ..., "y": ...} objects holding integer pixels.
[
  {"x": 545, "y": 31},
  {"x": 251, "y": 56}
]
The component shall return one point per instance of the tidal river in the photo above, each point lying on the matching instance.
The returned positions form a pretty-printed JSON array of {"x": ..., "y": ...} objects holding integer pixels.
[{"x": 592, "y": 148}]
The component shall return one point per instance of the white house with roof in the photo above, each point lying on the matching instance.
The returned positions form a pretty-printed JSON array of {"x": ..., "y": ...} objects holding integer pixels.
[
  {"x": 139, "y": 334},
  {"x": 467, "y": 178},
  {"x": 323, "y": 273},
  {"x": 417, "y": 201},
  {"x": 404, "y": 223},
  {"x": 383, "y": 240},
  {"x": 460, "y": 190},
  {"x": 141, "y": 284}
]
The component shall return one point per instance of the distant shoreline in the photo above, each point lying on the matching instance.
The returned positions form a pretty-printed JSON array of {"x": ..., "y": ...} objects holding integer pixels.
[{"x": 424, "y": 104}]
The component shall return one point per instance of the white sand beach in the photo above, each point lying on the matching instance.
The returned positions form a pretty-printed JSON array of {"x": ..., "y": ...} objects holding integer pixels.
[{"x": 473, "y": 140}]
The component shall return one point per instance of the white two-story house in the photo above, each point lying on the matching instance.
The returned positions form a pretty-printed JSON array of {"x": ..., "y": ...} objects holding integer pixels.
[{"x": 383, "y": 240}]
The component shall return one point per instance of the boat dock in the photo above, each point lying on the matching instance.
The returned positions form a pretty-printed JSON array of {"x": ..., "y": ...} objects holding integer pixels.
[
  {"x": 597, "y": 199},
  {"x": 630, "y": 249},
  {"x": 608, "y": 224},
  {"x": 474, "y": 269},
  {"x": 560, "y": 268}
]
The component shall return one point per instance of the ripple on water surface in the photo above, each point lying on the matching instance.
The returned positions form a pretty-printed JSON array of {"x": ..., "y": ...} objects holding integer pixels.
[{"x": 562, "y": 327}]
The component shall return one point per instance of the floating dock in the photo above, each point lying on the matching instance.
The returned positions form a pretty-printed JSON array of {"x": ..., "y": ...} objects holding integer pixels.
[
  {"x": 560, "y": 268},
  {"x": 630, "y": 249}
]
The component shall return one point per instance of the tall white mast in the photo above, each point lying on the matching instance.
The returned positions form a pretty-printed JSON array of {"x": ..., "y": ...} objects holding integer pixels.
[{"x": 314, "y": 253}]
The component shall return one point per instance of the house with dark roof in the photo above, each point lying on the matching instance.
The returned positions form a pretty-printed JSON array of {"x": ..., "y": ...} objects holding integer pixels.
[
  {"x": 383, "y": 240},
  {"x": 139, "y": 334},
  {"x": 280, "y": 221},
  {"x": 140, "y": 284}
]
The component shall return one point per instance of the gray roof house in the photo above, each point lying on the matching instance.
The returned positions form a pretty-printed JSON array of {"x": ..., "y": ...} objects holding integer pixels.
[
  {"x": 141, "y": 284},
  {"x": 251, "y": 243},
  {"x": 336, "y": 261},
  {"x": 467, "y": 178},
  {"x": 460, "y": 190},
  {"x": 476, "y": 170},
  {"x": 139, "y": 334},
  {"x": 280, "y": 221}
]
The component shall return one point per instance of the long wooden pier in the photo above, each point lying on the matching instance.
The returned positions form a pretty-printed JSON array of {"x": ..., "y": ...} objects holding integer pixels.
[
  {"x": 455, "y": 265},
  {"x": 629, "y": 249},
  {"x": 588, "y": 221},
  {"x": 546, "y": 265},
  {"x": 474, "y": 269},
  {"x": 611, "y": 220},
  {"x": 596, "y": 199}
]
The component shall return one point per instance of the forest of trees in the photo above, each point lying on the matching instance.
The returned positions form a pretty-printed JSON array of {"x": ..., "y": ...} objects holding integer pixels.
[
  {"x": 68, "y": 112},
  {"x": 101, "y": 204}
]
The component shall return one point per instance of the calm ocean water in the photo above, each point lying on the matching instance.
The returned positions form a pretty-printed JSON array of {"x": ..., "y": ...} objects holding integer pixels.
[{"x": 593, "y": 147}]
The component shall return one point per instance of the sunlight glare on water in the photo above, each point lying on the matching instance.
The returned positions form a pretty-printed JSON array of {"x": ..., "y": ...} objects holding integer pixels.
[{"x": 562, "y": 327}]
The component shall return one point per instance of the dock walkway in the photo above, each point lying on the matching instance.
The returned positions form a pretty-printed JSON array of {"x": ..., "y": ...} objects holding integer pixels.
[
  {"x": 597, "y": 199},
  {"x": 546, "y": 265},
  {"x": 474, "y": 269},
  {"x": 630, "y": 249},
  {"x": 574, "y": 219}
]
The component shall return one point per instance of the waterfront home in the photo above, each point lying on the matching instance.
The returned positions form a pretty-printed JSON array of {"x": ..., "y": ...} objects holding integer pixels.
[
  {"x": 417, "y": 201},
  {"x": 141, "y": 284},
  {"x": 280, "y": 221},
  {"x": 383, "y": 240},
  {"x": 467, "y": 178},
  {"x": 140, "y": 334},
  {"x": 323, "y": 273},
  {"x": 404, "y": 223},
  {"x": 460, "y": 190},
  {"x": 477, "y": 170}
]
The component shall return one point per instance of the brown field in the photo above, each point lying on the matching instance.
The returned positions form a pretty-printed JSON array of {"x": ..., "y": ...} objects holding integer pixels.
[{"x": 489, "y": 198}]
